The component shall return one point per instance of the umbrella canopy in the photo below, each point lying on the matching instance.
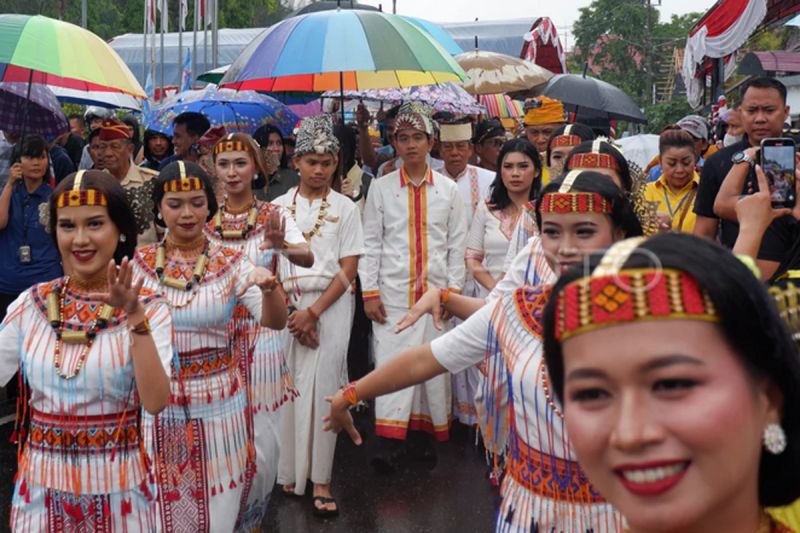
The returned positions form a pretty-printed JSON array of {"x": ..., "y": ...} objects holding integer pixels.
[
  {"x": 446, "y": 97},
  {"x": 593, "y": 97},
  {"x": 214, "y": 75},
  {"x": 640, "y": 149},
  {"x": 343, "y": 49},
  {"x": 243, "y": 111},
  {"x": 43, "y": 116},
  {"x": 438, "y": 33},
  {"x": 490, "y": 73},
  {"x": 98, "y": 98},
  {"x": 53, "y": 52},
  {"x": 502, "y": 106}
]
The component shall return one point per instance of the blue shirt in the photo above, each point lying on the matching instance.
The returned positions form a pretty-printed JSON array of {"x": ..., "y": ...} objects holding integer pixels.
[{"x": 23, "y": 228}]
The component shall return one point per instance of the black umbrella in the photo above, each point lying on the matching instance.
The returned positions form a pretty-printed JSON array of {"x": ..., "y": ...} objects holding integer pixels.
[{"x": 593, "y": 97}]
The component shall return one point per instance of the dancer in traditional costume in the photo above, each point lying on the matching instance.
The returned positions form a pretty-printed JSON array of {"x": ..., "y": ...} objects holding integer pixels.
[
  {"x": 681, "y": 412},
  {"x": 93, "y": 349},
  {"x": 323, "y": 315},
  {"x": 260, "y": 231},
  {"x": 203, "y": 439},
  {"x": 415, "y": 231},
  {"x": 544, "y": 488}
]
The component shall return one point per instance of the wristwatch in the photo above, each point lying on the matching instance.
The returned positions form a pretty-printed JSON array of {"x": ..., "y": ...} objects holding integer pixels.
[{"x": 742, "y": 157}]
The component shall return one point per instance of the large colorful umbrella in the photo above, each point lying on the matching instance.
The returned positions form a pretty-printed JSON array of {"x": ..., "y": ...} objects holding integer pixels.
[
  {"x": 43, "y": 50},
  {"x": 341, "y": 50},
  {"x": 438, "y": 33},
  {"x": 445, "y": 97},
  {"x": 242, "y": 111},
  {"x": 34, "y": 111},
  {"x": 490, "y": 73}
]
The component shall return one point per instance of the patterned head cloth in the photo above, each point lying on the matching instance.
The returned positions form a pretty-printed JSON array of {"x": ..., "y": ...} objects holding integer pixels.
[
  {"x": 315, "y": 136},
  {"x": 112, "y": 128},
  {"x": 413, "y": 116},
  {"x": 543, "y": 110}
]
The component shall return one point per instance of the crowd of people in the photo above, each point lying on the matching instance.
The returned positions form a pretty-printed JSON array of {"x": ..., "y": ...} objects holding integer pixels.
[{"x": 191, "y": 317}]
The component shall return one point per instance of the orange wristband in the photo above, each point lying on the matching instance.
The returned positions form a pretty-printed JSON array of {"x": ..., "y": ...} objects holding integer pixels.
[
  {"x": 349, "y": 393},
  {"x": 444, "y": 295}
]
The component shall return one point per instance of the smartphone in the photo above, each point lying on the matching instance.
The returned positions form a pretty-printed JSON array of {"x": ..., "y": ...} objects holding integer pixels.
[{"x": 777, "y": 158}]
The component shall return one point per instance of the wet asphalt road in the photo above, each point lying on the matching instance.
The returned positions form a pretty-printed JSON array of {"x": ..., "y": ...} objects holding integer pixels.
[{"x": 453, "y": 497}]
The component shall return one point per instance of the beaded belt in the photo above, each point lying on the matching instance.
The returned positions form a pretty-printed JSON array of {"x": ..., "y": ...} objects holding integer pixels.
[
  {"x": 548, "y": 476},
  {"x": 83, "y": 434}
]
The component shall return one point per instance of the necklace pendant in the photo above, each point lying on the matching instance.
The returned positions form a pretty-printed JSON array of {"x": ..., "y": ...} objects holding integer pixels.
[
  {"x": 232, "y": 234},
  {"x": 53, "y": 312},
  {"x": 74, "y": 337},
  {"x": 332, "y": 218},
  {"x": 175, "y": 283}
]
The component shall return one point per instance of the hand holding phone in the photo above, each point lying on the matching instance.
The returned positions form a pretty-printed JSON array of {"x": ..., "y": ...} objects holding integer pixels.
[{"x": 777, "y": 159}]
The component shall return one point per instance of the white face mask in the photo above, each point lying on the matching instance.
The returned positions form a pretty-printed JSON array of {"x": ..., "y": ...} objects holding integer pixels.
[{"x": 731, "y": 139}]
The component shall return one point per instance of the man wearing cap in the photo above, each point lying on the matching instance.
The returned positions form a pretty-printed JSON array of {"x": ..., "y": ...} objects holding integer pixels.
[
  {"x": 396, "y": 162},
  {"x": 415, "y": 235},
  {"x": 542, "y": 116},
  {"x": 115, "y": 149},
  {"x": 456, "y": 150},
  {"x": 489, "y": 138}
]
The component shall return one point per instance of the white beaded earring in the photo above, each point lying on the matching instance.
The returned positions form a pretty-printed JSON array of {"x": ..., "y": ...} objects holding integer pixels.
[
  {"x": 122, "y": 237},
  {"x": 774, "y": 439}
]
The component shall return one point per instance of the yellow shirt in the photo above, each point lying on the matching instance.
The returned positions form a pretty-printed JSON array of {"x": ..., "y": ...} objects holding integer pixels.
[
  {"x": 680, "y": 206},
  {"x": 545, "y": 175}
]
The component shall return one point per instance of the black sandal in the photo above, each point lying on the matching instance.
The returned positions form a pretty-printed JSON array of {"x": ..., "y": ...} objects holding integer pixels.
[{"x": 321, "y": 511}]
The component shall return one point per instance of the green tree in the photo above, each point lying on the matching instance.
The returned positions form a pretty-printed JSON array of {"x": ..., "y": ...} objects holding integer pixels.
[{"x": 664, "y": 113}]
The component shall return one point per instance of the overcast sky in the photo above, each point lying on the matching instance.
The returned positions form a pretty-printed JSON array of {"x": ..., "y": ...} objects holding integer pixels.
[{"x": 563, "y": 12}]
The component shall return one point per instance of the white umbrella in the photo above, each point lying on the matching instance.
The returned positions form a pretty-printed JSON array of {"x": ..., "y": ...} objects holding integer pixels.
[
  {"x": 98, "y": 98},
  {"x": 640, "y": 149}
]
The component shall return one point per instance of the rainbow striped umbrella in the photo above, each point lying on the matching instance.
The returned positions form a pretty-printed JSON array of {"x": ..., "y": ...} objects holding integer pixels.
[
  {"x": 501, "y": 106},
  {"x": 39, "y": 49},
  {"x": 341, "y": 50}
]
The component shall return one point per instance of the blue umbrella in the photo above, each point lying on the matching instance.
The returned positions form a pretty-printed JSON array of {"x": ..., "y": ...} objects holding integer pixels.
[
  {"x": 237, "y": 111},
  {"x": 31, "y": 109}
]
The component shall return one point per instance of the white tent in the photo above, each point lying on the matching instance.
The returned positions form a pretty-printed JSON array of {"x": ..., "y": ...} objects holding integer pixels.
[{"x": 504, "y": 36}]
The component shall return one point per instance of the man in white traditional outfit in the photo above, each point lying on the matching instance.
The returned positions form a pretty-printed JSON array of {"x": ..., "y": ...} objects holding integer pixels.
[
  {"x": 415, "y": 236},
  {"x": 321, "y": 321},
  {"x": 455, "y": 147}
]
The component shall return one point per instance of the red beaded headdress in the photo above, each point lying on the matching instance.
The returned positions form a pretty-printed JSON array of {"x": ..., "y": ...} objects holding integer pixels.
[
  {"x": 611, "y": 296},
  {"x": 77, "y": 197},
  {"x": 566, "y": 139},
  {"x": 228, "y": 144},
  {"x": 593, "y": 159},
  {"x": 564, "y": 201},
  {"x": 184, "y": 183}
]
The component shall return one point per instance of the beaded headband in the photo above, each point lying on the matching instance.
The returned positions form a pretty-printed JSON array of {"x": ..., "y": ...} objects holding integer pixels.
[
  {"x": 77, "y": 197},
  {"x": 228, "y": 145},
  {"x": 566, "y": 139},
  {"x": 592, "y": 160},
  {"x": 611, "y": 296},
  {"x": 565, "y": 202},
  {"x": 184, "y": 183}
]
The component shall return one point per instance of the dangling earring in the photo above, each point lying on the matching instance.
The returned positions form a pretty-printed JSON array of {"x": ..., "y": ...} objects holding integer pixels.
[
  {"x": 774, "y": 439},
  {"x": 122, "y": 237},
  {"x": 159, "y": 217}
]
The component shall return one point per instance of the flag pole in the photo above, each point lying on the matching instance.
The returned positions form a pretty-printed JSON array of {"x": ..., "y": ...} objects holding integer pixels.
[
  {"x": 163, "y": 20},
  {"x": 205, "y": 34},
  {"x": 181, "y": 14},
  {"x": 194, "y": 42},
  {"x": 144, "y": 43},
  {"x": 214, "y": 33}
]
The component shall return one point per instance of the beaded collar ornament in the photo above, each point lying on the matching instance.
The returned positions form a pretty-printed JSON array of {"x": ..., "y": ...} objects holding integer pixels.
[
  {"x": 613, "y": 296},
  {"x": 564, "y": 201},
  {"x": 77, "y": 197},
  {"x": 321, "y": 216},
  {"x": 55, "y": 315},
  {"x": 252, "y": 216}
]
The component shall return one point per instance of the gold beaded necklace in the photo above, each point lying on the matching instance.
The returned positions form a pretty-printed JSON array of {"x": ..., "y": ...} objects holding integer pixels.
[
  {"x": 236, "y": 234},
  {"x": 55, "y": 315},
  {"x": 197, "y": 273},
  {"x": 323, "y": 212}
]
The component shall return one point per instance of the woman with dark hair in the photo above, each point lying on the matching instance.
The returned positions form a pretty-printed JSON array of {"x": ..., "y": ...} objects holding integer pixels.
[
  {"x": 203, "y": 439},
  {"x": 261, "y": 231},
  {"x": 675, "y": 190},
  {"x": 544, "y": 488},
  {"x": 94, "y": 349},
  {"x": 680, "y": 394},
  {"x": 27, "y": 253},
  {"x": 157, "y": 147},
  {"x": 514, "y": 187},
  {"x": 561, "y": 143},
  {"x": 284, "y": 178}
]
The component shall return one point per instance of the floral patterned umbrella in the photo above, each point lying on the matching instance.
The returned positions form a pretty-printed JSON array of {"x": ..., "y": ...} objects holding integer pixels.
[
  {"x": 443, "y": 97},
  {"x": 237, "y": 111}
]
